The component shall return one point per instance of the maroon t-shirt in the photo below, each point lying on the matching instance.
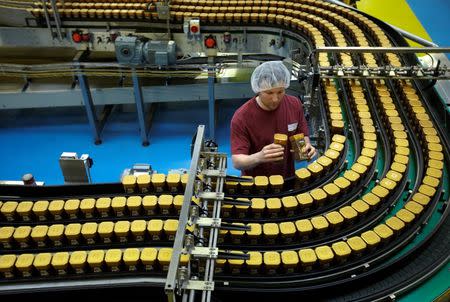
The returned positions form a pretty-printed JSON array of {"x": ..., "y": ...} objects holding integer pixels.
[{"x": 252, "y": 128}]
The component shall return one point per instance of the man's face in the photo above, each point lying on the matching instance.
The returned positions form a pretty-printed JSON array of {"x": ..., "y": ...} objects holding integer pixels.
[{"x": 271, "y": 99}]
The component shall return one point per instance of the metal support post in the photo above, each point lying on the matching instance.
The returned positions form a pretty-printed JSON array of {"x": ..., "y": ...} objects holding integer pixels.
[
  {"x": 140, "y": 108},
  {"x": 211, "y": 102},
  {"x": 90, "y": 109},
  {"x": 171, "y": 280},
  {"x": 57, "y": 19},
  {"x": 47, "y": 18}
]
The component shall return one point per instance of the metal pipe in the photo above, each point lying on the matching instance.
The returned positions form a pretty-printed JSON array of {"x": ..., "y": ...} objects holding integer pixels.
[
  {"x": 334, "y": 49},
  {"x": 57, "y": 19},
  {"x": 47, "y": 19}
]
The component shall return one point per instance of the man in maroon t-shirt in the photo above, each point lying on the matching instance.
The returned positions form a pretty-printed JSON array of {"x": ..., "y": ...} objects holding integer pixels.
[{"x": 254, "y": 124}]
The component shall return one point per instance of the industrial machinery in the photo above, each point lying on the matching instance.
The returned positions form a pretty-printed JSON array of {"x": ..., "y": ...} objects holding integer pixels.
[{"x": 367, "y": 221}]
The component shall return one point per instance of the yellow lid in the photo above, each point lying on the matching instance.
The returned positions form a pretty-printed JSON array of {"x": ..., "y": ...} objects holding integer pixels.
[
  {"x": 324, "y": 253},
  {"x": 436, "y": 164},
  {"x": 414, "y": 207},
  {"x": 342, "y": 182},
  {"x": 105, "y": 228},
  {"x": 368, "y": 129},
  {"x": 7, "y": 262},
  {"x": 287, "y": 228},
  {"x": 427, "y": 190},
  {"x": 246, "y": 184},
  {"x": 24, "y": 261},
  {"x": 421, "y": 198},
  {"x": 302, "y": 173},
  {"x": 72, "y": 230},
  {"x": 332, "y": 154},
  {"x": 143, "y": 179},
  {"x": 155, "y": 226},
  {"x": 289, "y": 258},
  {"x": 134, "y": 202},
  {"x": 324, "y": 161},
  {"x": 362, "y": 108},
  {"x": 368, "y": 152},
  {"x": 365, "y": 161},
  {"x": 131, "y": 256},
  {"x": 55, "y": 231},
  {"x": 60, "y": 260},
  {"x": 280, "y": 139},
  {"x": 348, "y": 212},
  {"x": 351, "y": 175},
  {"x": 371, "y": 238},
  {"x": 289, "y": 202},
  {"x": 103, "y": 203},
  {"x": 394, "y": 176},
  {"x": 398, "y": 167},
  {"x": 360, "y": 206},
  {"x": 42, "y": 261},
  {"x": 258, "y": 204},
  {"x": 236, "y": 262},
  {"x": 318, "y": 194},
  {"x": 255, "y": 259},
  {"x": 388, "y": 184},
  {"x": 129, "y": 180},
  {"x": 184, "y": 259},
  {"x": 158, "y": 179},
  {"x": 436, "y": 155},
  {"x": 331, "y": 189},
  {"x": 356, "y": 244},
  {"x": 173, "y": 179},
  {"x": 78, "y": 258},
  {"x": 261, "y": 181},
  {"x": 55, "y": 206},
  {"x": 121, "y": 228},
  {"x": 307, "y": 256},
  {"x": 304, "y": 225},
  {"x": 184, "y": 179},
  {"x": 113, "y": 256},
  {"x": 315, "y": 168},
  {"x": 337, "y": 124},
  {"x": 319, "y": 223},
  {"x": 271, "y": 229},
  {"x": 371, "y": 145},
  {"x": 118, "y": 203},
  {"x": 138, "y": 226},
  {"x": 71, "y": 206},
  {"x": 304, "y": 199},
  {"x": 6, "y": 233},
  {"x": 38, "y": 232},
  {"x": 178, "y": 201},
  {"x": 165, "y": 201},
  {"x": 276, "y": 180},
  {"x": 405, "y": 215},
  {"x": 9, "y": 207},
  {"x": 369, "y": 136},
  {"x": 273, "y": 204},
  {"x": 380, "y": 191},
  {"x": 87, "y": 204},
  {"x": 149, "y": 201},
  {"x": 402, "y": 150},
  {"x": 272, "y": 259},
  {"x": 22, "y": 233},
  {"x": 24, "y": 208},
  {"x": 398, "y": 127},
  {"x": 431, "y": 181},
  {"x": 338, "y": 138},
  {"x": 359, "y": 168},
  {"x": 170, "y": 225},
  {"x": 383, "y": 231},
  {"x": 341, "y": 249},
  {"x": 334, "y": 218},
  {"x": 89, "y": 229},
  {"x": 40, "y": 207},
  {"x": 400, "y": 135},
  {"x": 164, "y": 255},
  {"x": 237, "y": 232},
  {"x": 395, "y": 223},
  {"x": 255, "y": 230},
  {"x": 371, "y": 199},
  {"x": 148, "y": 255}
]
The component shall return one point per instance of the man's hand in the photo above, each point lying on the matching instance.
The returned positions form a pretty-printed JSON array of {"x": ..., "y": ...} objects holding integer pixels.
[
  {"x": 309, "y": 150},
  {"x": 271, "y": 153}
]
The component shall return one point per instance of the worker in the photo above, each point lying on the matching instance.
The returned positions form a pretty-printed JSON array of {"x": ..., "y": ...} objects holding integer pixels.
[{"x": 270, "y": 112}]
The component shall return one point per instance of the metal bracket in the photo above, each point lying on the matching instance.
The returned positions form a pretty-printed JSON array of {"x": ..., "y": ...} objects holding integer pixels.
[
  {"x": 211, "y": 195},
  {"x": 214, "y": 173},
  {"x": 163, "y": 10},
  {"x": 199, "y": 285},
  {"x": 209, "y": 222},
  {"x": 205, "y": 252}
]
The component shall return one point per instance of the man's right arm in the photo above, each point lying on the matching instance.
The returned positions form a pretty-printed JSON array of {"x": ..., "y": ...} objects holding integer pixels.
[{"x": 269, "y": 153}]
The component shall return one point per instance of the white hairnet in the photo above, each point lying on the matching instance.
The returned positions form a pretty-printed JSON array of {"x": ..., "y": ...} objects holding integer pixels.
[{"x": 268, "y": 75}]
